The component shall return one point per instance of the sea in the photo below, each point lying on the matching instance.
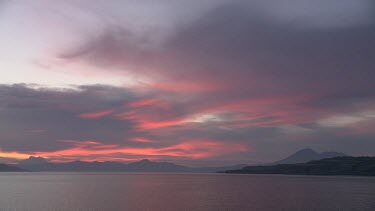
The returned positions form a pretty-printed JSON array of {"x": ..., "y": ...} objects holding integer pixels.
[{"x": 181, "y": 191}]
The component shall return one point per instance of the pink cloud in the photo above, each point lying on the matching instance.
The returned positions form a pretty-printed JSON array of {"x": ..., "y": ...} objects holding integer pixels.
[
  {"x": 96, "y": 115},
  {"x": 142, "y": 140},
  {"x": 86, "y": 150}
]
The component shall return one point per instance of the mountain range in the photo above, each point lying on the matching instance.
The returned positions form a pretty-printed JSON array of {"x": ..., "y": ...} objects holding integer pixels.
[
  {"x": 306, "y": 155},
  {"x": 9, "y": 168},
  {"x": 41, "y": 164}
]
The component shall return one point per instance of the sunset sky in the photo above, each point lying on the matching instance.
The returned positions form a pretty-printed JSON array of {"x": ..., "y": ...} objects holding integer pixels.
[{"x": 209, "y": 82}]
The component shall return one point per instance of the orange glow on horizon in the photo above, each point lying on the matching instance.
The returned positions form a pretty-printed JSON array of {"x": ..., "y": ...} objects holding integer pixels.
[
  {"x": 95, "y": 151},
  {"x": 13, "y": 155}
]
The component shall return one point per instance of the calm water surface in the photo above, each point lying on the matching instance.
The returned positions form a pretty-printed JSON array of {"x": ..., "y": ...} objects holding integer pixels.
[{"x": 176, "y": 192}]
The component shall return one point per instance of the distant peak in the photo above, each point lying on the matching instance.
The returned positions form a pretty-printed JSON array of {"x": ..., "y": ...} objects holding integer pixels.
[
  {"x": 306, "y": 151},
  {"x": 307, "y": 154},
  {"x": 34, "y": 160},
  {"x": 145, "y": 161},
  {"x": 35, "y": 157}
]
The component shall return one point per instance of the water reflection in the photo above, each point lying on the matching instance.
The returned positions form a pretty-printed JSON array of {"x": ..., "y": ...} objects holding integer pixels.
[{"x": 170, "y": 192}]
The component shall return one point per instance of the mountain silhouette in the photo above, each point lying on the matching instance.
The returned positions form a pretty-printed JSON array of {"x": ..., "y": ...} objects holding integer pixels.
[
  {"x": 306, "y": 155},
  {"x": 33, "y": 161},
  {"x": 149, "y": 166},
  {"x": 355, "y": 166},
  {"x": 9, "y": 168},
  {"x": 40, "y": 164}
]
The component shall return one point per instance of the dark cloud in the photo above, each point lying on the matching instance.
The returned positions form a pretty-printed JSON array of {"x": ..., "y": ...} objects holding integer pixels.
[
  {"x": 235, "y": 46},
  {"x": 56, "y": 112},
  {"x": 240, "y": 48}
]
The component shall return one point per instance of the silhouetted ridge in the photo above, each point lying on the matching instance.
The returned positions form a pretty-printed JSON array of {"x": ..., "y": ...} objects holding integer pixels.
[
  {"x": 9, "y": 168},
  {"x": 145, "y": 165},
  {"x": 361, "y": 166},
  {"x": 306, "y": 155},
  {"x": 33, "y": 161}
]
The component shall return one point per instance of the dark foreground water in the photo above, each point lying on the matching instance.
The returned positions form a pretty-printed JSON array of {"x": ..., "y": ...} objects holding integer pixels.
[{"x": 176, "y": 192}]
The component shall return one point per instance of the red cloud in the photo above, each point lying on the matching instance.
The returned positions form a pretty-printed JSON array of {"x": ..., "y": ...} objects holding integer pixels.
[
  {"x": 149, "y": 102},
  {"x": 142, "y": 140},
  {"x": 96, "y": 115},
  {"x": 84, "y": 150},
  {"x": 187, "y": 86}
]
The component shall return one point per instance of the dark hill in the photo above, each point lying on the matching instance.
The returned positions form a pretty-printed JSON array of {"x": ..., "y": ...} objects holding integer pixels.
[
  {"x": 149, "y": 166},
  {"x": 306, "y": 155},
  {"x": 359, "y": 166},
  {"x": 7, "y": 168}
]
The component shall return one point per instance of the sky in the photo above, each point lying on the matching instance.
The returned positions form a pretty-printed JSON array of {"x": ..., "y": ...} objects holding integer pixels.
[{"x": 209, "y": 82}]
